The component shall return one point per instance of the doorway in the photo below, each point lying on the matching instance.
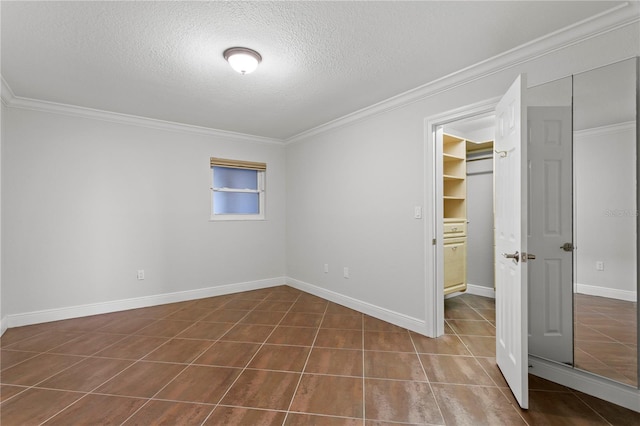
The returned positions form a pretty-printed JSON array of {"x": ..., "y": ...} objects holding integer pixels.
[
  {"x": 434, "y": 129},
  {"x": 469, "y": 307},
  {"x": 477, "y": 134}
]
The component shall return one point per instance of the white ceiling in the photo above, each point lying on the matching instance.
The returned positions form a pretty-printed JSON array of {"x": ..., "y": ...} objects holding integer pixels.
[{"x": 321, "y": 60}]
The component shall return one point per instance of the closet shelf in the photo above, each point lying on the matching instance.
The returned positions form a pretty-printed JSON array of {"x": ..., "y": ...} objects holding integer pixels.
[
  {"x": 450, "y": 157},
  {"x": 454, "y": 200},
  {"x": 452, "y": 177},
  {"x": 454, "y": 219}
]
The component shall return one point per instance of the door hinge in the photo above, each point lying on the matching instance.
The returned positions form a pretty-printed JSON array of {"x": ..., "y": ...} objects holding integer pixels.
[{"x": 433, "y": 242}]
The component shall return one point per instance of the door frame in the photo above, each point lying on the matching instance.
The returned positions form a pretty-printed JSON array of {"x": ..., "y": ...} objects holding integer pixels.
[{"x": 434, "y": 255}]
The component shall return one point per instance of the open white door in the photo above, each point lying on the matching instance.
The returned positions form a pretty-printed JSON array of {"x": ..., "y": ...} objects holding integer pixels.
[{"x": 510, "y": 175}]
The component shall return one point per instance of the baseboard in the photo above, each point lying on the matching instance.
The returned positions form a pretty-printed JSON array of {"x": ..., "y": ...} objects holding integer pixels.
[
  {"x": 611, "y": 293},
  {"x": 396, "y": 318},
  {"x": 582, "y": 381},
  {"x": 3, "y": 325},
  {"x": 477, "y": 290},
  {"x": 480, "y": 290},
  {"x": 37, "y": 317}
]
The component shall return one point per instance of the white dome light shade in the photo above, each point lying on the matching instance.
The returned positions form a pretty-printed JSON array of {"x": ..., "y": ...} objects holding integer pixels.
[{"x": 242, "y": 60}]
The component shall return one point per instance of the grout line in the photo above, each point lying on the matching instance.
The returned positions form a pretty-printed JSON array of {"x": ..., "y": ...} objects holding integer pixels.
[
  {"x": 67, "y": 406},
  {"x": 66, "y": 390},
  {"x": 424, "y": 370},
  {"x": 306, "y": 361},
  {"x": 190, "y": 364},
  {"x": 364, "y": 382},
  {"x": 35, "y": 354},
  {"x": 85, "y": 358},
  {"x": 24, "y": 388},
  {"x": 255, "y": 353},
  {"x": 4, "y": 346},
  {"x": 330, "y": 416},
  {"x": 590, "y": 407},
  {"x": 515, "y": 407}
]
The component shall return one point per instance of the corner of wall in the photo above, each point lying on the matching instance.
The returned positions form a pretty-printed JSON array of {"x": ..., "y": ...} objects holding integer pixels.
[
  {"x": 480, "y": 290},
  {"x": 414, "y": 324}
]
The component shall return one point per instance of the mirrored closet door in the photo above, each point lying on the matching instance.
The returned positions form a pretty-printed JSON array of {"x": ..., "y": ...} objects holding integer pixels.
[
  {"x": 583, "y": 221},
  {"x": 605, "y": 142}
]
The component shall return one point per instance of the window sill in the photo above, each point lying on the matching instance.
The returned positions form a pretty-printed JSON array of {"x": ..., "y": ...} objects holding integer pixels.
[{"x": 236, "y": 217}]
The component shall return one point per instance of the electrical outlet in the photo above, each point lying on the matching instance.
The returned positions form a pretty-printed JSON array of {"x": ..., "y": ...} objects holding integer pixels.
[
  {"x": 141, "y": 274},
  {"x": 326, "y": 268},
  {"x": 599, "y": 265},
  {"x": 345, "y": 272}
]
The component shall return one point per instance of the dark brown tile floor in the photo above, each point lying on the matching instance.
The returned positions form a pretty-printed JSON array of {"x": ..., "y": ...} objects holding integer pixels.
[
  {"x": 606, "y": 341},
  {"x": 276, "y": 356}
]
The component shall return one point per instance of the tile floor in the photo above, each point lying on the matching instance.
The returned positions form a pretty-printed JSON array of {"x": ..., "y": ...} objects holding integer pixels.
[
  {"x": 606, "y": 341},
  {"x": 272, "y": 357}
]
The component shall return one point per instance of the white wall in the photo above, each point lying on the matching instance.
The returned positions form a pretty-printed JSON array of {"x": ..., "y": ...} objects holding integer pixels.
[
  {"x": 605, "y": 150},
  {"x": 87, "y": 202},
  {"x": 606, "y": 210},
  {"x": 350, "y": 203},
  {"x": 351, "y": 190},
  {"x": 480, "y": 257}
]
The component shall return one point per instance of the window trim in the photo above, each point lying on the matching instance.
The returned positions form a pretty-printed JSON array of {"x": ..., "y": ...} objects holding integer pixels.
[{"x": 260, "y": 168}]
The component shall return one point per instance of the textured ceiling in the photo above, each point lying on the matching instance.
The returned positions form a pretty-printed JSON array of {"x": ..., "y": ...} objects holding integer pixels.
[{"x": 321, "y": 60}]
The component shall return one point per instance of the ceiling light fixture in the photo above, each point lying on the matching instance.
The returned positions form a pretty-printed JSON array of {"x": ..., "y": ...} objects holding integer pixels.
[{"x": 242, "y": 59}]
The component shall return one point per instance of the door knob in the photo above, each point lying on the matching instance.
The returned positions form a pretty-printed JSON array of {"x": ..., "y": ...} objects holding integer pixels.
[
  {"x": 528, "y": 256},
  {"x": 567, "y": 247},
  {"x": 515, "y": 256}
]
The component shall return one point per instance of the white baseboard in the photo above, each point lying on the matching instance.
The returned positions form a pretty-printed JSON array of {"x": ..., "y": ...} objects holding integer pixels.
[
  {"x": 477, "y": 290},
  {"x": 396, "y": 318},
  {"x": 611, "y": 293},
  {"x": 480, "y": 290},
  {"x": 48, "y": 315},
  {"x": 590, "y": 384}
]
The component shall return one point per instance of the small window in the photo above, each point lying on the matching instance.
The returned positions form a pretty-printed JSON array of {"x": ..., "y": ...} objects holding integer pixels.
[{"x": 237, "y": 190}]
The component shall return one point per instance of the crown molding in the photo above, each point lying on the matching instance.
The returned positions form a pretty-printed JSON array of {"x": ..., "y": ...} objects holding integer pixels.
[
  {"x": 615, "y": 18},
  {"x": 608, "y": 129},
  {"x": 13, "y": 101}
]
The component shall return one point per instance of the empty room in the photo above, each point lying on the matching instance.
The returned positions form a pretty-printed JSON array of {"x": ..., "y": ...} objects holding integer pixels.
[{"x": 319, "y": 212}]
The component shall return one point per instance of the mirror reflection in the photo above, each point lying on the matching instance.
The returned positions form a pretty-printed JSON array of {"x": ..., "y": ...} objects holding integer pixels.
[
  {"x": 606, "y": 214},
  {"x": 550, "y": 221}
]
